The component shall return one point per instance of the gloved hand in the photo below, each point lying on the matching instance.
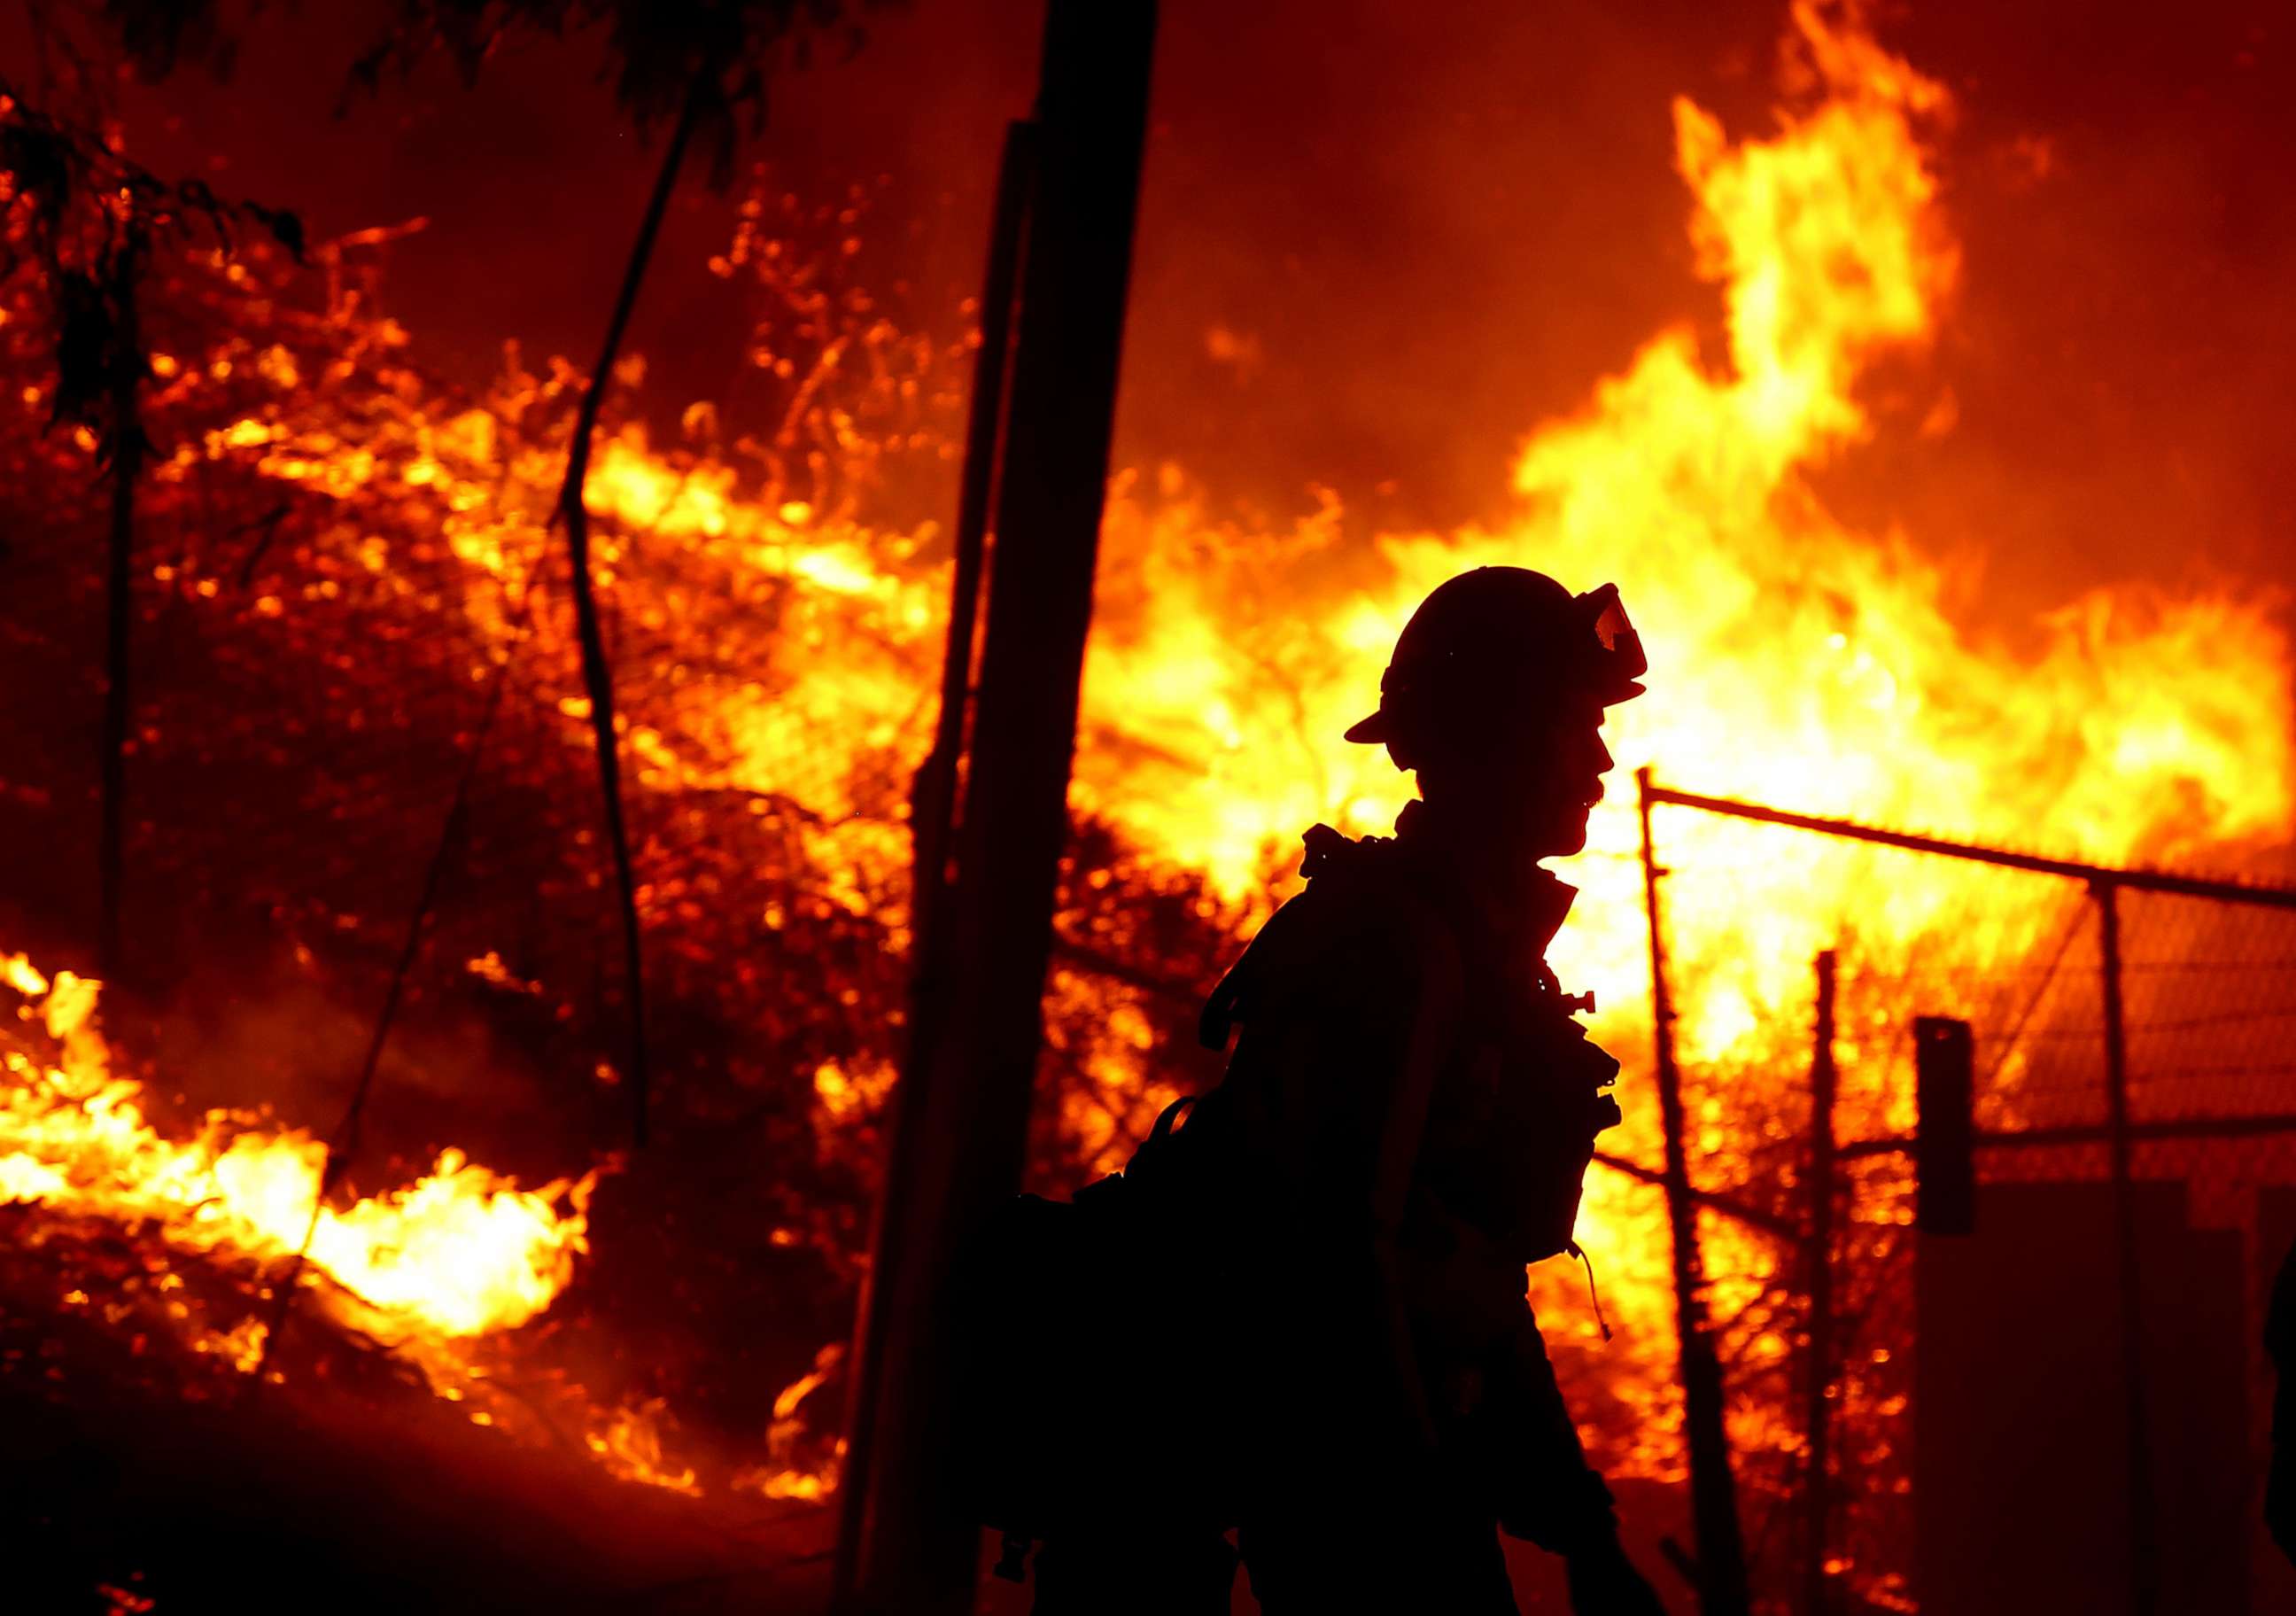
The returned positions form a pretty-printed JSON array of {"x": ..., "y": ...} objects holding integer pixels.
[{"x": 1603, "y": 1582}]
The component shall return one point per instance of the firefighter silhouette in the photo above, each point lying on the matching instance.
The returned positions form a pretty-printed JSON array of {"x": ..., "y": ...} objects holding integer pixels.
[{"x": 1309, "y": 1320}]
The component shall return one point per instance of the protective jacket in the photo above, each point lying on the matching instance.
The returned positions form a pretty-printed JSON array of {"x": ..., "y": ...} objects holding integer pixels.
[
  {"x": 1316, "y": 1281},
  {"x": 1405, "y": 1123}
]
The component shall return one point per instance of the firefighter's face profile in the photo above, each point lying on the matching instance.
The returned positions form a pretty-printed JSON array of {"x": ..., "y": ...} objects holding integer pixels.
[
  {"x": 1558, "y": 771},
  {"x": 1537, "y": 770}
]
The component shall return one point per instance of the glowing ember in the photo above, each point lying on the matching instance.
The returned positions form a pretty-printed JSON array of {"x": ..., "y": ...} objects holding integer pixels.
[
  {"x": 629, "y": 1444},
  {"x": 788, "y": 1472}
]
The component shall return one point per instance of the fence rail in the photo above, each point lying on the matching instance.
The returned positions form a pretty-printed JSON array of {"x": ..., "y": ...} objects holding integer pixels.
[{"x": 2133, "y": 880}]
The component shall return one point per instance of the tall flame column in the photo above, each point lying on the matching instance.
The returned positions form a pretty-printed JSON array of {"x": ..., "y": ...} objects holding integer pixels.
[{"x": 961, "y": 1139}]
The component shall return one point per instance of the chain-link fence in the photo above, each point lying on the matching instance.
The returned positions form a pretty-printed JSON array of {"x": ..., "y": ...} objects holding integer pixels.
[{"x": 2068, "y": 1402}]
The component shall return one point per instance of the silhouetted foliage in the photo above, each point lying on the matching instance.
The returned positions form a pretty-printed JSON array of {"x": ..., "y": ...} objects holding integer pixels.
[
  {"x": 160, "y": 35},
  {"x": 697, "y": 65},
  {"x": 85, "y": 203},
  {"x": 721, "y": 51},
  {"x": 91, "y": 219}
]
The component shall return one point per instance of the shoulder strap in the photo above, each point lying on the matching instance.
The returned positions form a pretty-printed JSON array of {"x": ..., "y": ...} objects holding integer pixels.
[
  {"x": 1218, "y": 1018},
  {"x": 1328, "y": 853}
]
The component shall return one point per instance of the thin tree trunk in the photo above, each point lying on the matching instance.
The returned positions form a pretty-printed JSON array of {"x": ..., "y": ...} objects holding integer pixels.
[
  {"x": 597, "y": 676},
  {"x": 127, "y": 366},
  {"x": 344, "y": 1142}
]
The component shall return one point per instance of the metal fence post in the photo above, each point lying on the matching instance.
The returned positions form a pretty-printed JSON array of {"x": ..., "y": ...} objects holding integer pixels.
[
  {"x": 2143, "y": 1548},
  {"x": 1713, "y": 1489},
  {"x": 1817, "y": 1484}
]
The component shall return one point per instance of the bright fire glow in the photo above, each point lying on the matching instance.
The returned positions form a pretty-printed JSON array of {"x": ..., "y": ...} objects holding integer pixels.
[
  {"x": 429, "y": 1270},
  {"x": 459, "y": 1253},
  {"x": 1795, "y": 660}
]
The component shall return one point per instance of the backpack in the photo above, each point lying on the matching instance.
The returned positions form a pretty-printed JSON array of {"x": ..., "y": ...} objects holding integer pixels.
[{"x": 1060, "y": 1304}]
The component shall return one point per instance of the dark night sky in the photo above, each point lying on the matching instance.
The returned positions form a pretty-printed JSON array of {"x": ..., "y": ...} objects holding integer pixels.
[{"x": 1439, "y": 222}]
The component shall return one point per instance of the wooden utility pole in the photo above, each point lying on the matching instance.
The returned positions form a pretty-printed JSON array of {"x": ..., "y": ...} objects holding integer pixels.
[
  {"x": 933, "y": 801},
  {"x": 1713, "y": 1489},
  {"x": 961, "y": 1134},
  {"x": 1818, "y": 1481}
]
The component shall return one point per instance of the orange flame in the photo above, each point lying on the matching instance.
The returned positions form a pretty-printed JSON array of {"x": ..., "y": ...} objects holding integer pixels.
[{"x": 460, "y": 1252}]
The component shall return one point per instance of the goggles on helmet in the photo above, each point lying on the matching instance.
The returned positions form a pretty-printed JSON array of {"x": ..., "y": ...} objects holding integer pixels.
[{"x": 1622, "y": 662}]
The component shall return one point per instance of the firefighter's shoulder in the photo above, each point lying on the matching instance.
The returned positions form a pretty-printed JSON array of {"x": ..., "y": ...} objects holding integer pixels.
[{"x": 1363, "y": 927}]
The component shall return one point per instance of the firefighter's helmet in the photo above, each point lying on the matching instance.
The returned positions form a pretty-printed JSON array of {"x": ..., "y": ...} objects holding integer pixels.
[{"x": 1494, "y": 642}]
